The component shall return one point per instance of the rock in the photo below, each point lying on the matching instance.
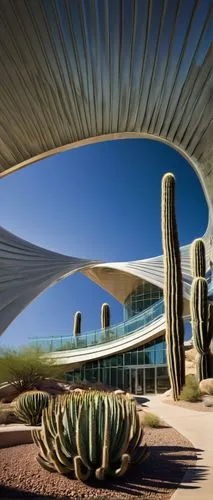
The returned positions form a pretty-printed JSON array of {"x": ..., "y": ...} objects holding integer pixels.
[
  {"x": 168, "y": 393},
  {"x": 118, "y": 392},
  {"x": 206, "y": 386},
  {"x": 78, "y": 390},
  {"x": 208, "y": 401},
  {"x": 7, "y": 392}
]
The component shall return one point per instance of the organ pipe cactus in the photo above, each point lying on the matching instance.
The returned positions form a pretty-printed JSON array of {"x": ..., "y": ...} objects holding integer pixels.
[
  {"x": 77, "y": 324},
  {"x": 198, "y": 258},
  {"x": 201, "y": 312},
  {"x": 105, "y": 316},
  {"x": 29, "y": 406},
  {"x": 92, "y": 433},
  {"x": 173, "y": 294}
]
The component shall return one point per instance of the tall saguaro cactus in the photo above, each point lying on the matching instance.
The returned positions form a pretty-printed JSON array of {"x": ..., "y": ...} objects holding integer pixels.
[
  {"x": 105, "y": 316},
  {"x": 201, "y": 312},
  {"x": 77, "y": 324},
  {"x": 173, "y": 294}
]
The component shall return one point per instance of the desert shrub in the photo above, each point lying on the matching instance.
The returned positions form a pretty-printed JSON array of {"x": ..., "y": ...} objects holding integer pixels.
[
  {"x": 190, "y": 391},
  {"x": 25, "y": 368},
  {"x": 151, "y": 420},
  {"x": 29, "y": 406}
]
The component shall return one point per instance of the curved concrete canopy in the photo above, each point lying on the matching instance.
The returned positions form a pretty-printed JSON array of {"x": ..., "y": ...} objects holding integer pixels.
[
  {"x": 76, "y": 72},
  {"x": 27, "y": 270}
]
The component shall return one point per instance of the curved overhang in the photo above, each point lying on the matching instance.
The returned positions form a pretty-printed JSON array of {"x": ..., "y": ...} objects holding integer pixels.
[
  {"x": 27, "y": 270},
  {"x": 75, "y": 73}
]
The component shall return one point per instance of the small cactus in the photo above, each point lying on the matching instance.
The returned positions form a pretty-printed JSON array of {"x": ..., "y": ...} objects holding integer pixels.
[
  {"x": 90, "y": 433},
  {"x": 173, "y": 294},
  {"x": 29, "y": 406},
  {"x": 105, "y": 316},
  {"x": 201, "y": 312},
  {"x": 77, "y": 324},
  {"x": 198, "y": 258}
]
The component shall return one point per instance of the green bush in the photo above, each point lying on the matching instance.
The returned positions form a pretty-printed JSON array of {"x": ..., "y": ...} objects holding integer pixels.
[
  {"x": 190, "y": 391},
  {"x": 25, "y": 368},
  {"x": 151, "y": 420},
  {"x": 29, "y": 406}
]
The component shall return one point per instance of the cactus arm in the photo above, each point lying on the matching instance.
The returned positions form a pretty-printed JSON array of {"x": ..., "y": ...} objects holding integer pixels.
[
  {"x": 46, "y": 465},
  {"x": 82, "y": 473},
  {"x": 120, "y": 471}
]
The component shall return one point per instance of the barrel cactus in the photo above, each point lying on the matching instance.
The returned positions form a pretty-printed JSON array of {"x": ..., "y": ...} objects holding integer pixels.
[
  {"x": 173, "y": 294},
  {"x": 93, "y": 433},
  {"x": 29, "y": 406},
  {"x": 77, "y": 324},
  {"x": 105, "y": 316},
  {"x": 201, "y": 312}
]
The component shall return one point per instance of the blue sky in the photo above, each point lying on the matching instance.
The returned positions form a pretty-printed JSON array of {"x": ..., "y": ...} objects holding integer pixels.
[{"x": 100, "y": 201}]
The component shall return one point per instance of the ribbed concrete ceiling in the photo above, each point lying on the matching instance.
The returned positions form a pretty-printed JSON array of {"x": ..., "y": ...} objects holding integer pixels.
[{"x": 77, "y": 70}]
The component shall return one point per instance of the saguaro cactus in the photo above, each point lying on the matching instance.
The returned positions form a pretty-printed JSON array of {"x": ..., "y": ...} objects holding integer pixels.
[
  {"x": 173, "y": 294},
  {"x": 105, "y": 316},
  {"x": 198, "y": 258},
  {"x": 201, "y": 312},
  {"x": 77, "y": 324}
]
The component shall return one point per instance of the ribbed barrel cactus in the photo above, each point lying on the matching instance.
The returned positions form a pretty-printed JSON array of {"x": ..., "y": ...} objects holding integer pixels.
[
  {"x": 29, "y": 406},
  {"x": 173, "y": 294},
  {"x": 105, "y": 316},
  {"x": 92, "y": 433},
  {"x": 77, "y": 324},
  {"x": 201, "y": 312}
]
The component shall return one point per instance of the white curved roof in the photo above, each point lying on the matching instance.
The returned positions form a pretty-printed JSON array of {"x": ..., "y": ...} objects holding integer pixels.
[{"x": 27, "y": 270}]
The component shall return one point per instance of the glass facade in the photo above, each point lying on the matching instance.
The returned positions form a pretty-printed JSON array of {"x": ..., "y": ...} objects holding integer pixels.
[
  {"x": 143, "y": 297},
  {"x": 142, "y": 370}
]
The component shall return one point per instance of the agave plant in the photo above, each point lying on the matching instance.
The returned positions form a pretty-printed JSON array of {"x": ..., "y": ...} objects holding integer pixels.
[
  {"x": 29, "y": 406},
  {"x": 92, "y": 433}
]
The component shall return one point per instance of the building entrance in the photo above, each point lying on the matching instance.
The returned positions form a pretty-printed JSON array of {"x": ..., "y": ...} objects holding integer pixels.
[{"x": 146, "y": 380}]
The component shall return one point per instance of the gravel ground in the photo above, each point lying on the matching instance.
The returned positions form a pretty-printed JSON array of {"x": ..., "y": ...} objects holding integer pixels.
[
  {"x": 170, "y": 456},
  {"x": 198, "y": 406}
]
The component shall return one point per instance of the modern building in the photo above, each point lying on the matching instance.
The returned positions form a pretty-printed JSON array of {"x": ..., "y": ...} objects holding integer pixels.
[{"x": 68, "y": 80}]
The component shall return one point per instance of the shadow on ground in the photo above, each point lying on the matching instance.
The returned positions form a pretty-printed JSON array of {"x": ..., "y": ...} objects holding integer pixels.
[{"x": 164, "y": 470}]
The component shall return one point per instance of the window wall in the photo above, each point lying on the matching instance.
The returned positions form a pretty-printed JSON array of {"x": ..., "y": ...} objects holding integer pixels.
[
  {"x": 140, "y": 371},
  {"x": 143, "y": 297}
]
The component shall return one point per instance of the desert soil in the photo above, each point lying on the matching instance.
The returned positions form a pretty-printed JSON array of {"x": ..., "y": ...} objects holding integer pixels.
[
  {"x": 171, "y": 455},
  {"x": 198, "y": 406}
]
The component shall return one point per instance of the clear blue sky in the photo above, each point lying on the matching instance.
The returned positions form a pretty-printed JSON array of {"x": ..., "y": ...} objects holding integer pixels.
[{"x": 100, "y": 201}]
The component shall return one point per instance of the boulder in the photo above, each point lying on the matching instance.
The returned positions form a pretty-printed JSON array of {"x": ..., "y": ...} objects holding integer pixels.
[
  {"x": 208, "y": 401},
  {"x": 118, "y": 392},
  {"x": 206, "y": 386}
]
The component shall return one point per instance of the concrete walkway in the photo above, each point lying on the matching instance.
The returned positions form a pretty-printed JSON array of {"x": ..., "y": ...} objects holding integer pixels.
[{"x": 197, "y": 427}]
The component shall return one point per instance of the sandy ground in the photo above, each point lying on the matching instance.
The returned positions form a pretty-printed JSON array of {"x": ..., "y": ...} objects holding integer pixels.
[
  {"x": 171, "y": 455},
  {"x": 198, "y": 406}
]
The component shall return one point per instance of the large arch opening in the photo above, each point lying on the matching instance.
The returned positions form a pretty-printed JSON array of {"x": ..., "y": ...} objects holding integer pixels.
[{"x": 116, "y": 198}]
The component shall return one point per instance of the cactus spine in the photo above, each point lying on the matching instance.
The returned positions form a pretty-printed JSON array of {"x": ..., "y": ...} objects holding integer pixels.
[
  {"x": 201, "y": 312},
  {"x": 77, "y": 324},
  {"x": 105, "y": 316},
  {"x": 173, "y": 295}
]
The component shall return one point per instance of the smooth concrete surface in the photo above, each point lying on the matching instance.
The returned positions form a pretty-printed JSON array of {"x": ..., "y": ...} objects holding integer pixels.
[
  {"x": 14, "y": 434},
  {"x": 197, "y": 427}
]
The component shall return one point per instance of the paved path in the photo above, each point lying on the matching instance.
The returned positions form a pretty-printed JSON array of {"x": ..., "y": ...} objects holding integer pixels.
[{"x": 197, "y": 427}]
